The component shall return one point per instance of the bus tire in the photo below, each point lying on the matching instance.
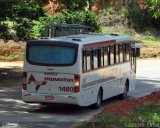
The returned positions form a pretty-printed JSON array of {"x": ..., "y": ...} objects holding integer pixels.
[
  {"x": 98, "y": 103},
  {"x": 125, "y": 92}
]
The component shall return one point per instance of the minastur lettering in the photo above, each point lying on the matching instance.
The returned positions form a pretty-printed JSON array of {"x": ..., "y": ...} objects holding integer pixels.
[{"x": 58, "y": 79}]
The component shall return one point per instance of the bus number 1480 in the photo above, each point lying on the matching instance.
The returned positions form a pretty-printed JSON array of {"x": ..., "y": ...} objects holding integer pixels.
[{"x": 66, "y": 89}]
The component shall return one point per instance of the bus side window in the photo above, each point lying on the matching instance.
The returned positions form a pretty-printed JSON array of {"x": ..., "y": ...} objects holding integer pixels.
[
  {"x": 121, "y": 53},
  {"x": 109, "y": 55},
  {"x": 124, "y": 52},
  {"x": 95, "y": 58},
  {"x": 112, "y": 57},
  {"x": 88, "y": 55},
  {"x": 86, "y": 65},
  {"x": 117, "y": 54},
  {"x": 127, "y": 52},
  {"x": 105, "y": 56},
  {"x": 84, "y": 61},
  {"x": 100, "y": 57}
]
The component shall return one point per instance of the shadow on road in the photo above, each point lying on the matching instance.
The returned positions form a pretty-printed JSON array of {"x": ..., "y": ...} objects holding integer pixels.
[
  {"x": 60, "y": 109},
  {"x": 145, "y": 86},
  {"x": 11, "y": 104},
  {"x": 66, "y": 109},
  {"x": 11, "y": 73}
]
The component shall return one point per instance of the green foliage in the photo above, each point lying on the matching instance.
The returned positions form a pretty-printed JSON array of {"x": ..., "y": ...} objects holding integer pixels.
[
  {"x": 154, "y": 8},
  {"x": 12, "y": 57},
  {"x": 5, "y": 10},
  {"x": 90, "y": 19},
  {"x": 110, "y": 121},
  {"x": 74, "y": 18},
  {"x": 111, "y": 17},
  {"x": 40, "y": 26},
  {"x": 24, "y": 13},
  {"x": 155, "y": 118},
  {"x": 143, "y": 117},
  {"x": 30, "y": 9},
  {"x": 107, "y": 11},
  {"x": 128, "y": 16},
  {"x": 23, "y": 28},
  {"x": 36, "y": 30},
  {"x": 135, "y": 16},
  {"x": 123, "y": 14},
  {"x": 147, "y": 33},
  {"x": 74, "y": 5},
  {"x": 21, "y": 13},
  {"x": 83, "y": 18},
  {"x": 3, "y": 30}
]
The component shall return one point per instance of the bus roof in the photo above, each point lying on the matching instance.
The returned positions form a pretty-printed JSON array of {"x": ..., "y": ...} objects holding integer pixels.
[{"x": 92, "y": 38}]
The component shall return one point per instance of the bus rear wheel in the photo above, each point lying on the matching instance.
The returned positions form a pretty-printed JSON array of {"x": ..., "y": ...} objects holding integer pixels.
[
  {"x": 98, "y": 104},
  {"x": 125, "y": 93}
]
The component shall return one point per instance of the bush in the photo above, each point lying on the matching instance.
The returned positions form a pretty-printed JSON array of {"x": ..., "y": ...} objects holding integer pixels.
[
  {"x": 111, "y": 17},
  {"x": 4, "y": 31},
  {"x": 31, "y": 9},
  {"x": 135, "y": 17},
  {"x": 83, "y": 18},
  {"x": 74, "y": 5},
  {"x": 23, "y": 28},
  {"x": 23, "y": 14},
  {"x": 91, "y": 19},
  {"x": 131, "y": 16},
  {"x": 123, "y": 14},
  {"x": 107, "y": 11},
  {"x": 40, "y": 26}
]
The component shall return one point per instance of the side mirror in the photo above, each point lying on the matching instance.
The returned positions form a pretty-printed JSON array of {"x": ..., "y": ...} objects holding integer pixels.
[{"x": 137, "y": 52}]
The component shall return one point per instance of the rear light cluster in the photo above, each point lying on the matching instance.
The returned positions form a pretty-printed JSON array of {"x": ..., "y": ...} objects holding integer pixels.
[
  {"x": 76, "y": 83},
  {"x": 24, "y": 85}
]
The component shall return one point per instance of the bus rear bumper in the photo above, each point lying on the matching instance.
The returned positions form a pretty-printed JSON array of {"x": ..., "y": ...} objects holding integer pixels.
[{"x": 49, "y": 98}]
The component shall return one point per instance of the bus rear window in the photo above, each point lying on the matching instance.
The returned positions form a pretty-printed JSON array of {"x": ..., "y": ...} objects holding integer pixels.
[{"x": 51, "y": 55}]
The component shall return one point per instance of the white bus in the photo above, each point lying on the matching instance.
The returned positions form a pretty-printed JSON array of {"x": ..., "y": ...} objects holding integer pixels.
[{"x": 81, "y": 69}]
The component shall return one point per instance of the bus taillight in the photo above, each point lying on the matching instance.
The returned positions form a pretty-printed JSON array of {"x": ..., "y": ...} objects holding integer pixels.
[
  {"x": 24, "y": 84},
  {"x": 76, "y": 83}
]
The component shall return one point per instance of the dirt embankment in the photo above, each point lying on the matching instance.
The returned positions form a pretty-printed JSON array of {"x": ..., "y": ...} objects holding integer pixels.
[
  {"x": 150, "y": 51},
  {"x": 11, "y": 48}
]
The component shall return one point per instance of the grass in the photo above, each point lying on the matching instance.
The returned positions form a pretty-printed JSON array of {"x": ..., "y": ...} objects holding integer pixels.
[
  {"x": 152, "y": 42},
  {"x": 12, "y": 57},
  {"x": 144, "y": 116},
  {"x": 149, "y": 40},
  {"x": 146, "y": 37}
]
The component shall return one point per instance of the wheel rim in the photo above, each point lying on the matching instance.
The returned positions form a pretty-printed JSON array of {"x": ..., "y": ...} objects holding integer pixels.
[
  {"x": 125, "y": 90},
  {"x": 99, "y": 99}
]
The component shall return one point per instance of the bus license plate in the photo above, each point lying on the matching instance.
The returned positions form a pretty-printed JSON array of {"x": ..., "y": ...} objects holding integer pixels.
[{"x": 49, "y": 97}]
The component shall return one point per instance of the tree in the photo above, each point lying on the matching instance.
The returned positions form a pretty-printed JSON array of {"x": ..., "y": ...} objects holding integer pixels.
[
  {"x": 154, "y": 7},
  {"x": 5, "y": 13},
  {"x": 23, "y": 14},
  {"x": 31, "y": 9},
  {"x": 74, "y": 5},
  {"x": 5, "y": 10}
]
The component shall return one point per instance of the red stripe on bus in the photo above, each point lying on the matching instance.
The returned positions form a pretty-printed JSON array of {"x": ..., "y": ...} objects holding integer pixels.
[{"x": 99, "y": 43}]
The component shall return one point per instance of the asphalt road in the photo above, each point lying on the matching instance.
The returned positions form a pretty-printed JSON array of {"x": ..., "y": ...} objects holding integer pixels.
[{"x": 15, "y": 113}]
